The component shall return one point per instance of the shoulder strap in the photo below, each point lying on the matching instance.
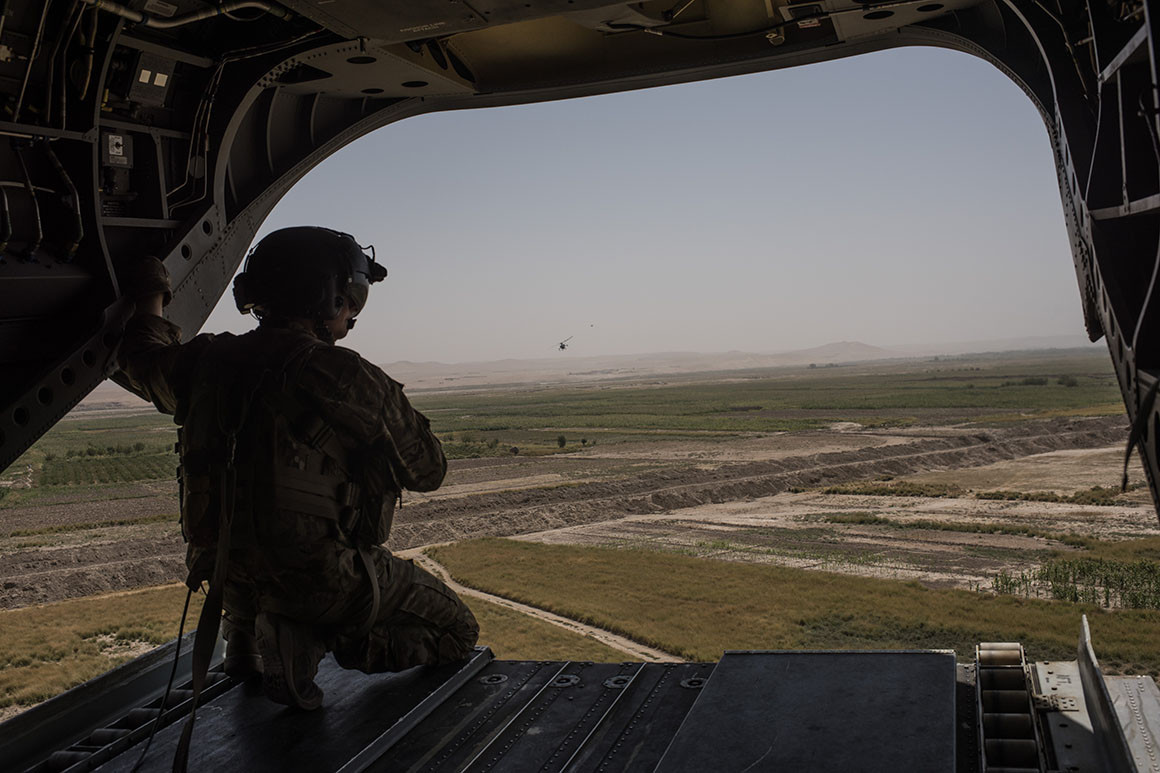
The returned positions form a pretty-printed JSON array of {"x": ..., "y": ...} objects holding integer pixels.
[{"x": 308, "y": 426}]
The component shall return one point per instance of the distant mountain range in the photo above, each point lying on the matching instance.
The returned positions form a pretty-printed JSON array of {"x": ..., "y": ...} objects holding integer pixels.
[
  {"x": 842, "y": 351},
  {"x": 1000, "y": 345},
  {"x": 568, "y": 369}
]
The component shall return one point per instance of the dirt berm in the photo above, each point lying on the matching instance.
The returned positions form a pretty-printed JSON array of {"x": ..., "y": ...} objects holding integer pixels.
[
  {"x": 80, "y": 563},
  {"x": 520, "y": 512}
]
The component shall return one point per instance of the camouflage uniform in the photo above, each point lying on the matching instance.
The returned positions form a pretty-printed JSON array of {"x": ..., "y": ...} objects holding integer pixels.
[{"x": 304, "y": 557}]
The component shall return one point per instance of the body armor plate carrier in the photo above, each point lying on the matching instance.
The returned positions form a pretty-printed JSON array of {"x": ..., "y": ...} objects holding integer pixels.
[{"x": 287, "y": 462}]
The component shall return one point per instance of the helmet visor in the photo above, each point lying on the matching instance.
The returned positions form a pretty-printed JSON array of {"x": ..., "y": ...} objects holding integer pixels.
[
  {"x": 357, "y": 295},
  {"x": 364, "y": 272}
]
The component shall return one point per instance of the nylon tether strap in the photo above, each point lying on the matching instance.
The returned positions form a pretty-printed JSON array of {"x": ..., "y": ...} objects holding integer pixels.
[{"x": 209, "y": 621}]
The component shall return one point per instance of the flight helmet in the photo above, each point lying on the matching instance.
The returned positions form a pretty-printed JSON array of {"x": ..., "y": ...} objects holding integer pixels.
[{"x": 307, "y": 272}]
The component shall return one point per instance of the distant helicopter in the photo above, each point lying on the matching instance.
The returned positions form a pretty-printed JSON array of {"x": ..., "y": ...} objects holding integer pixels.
[{"x": 564, "y": 344}]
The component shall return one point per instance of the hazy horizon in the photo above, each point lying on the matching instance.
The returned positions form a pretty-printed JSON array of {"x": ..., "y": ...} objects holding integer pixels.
[
  {"x": 906, "y": 351},
  {"x": 425, "y": 375},
  {"x": 904, "y": 197}
]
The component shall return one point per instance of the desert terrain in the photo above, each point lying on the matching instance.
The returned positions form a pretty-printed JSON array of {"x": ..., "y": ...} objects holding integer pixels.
[{"x": 957, "y": 473}]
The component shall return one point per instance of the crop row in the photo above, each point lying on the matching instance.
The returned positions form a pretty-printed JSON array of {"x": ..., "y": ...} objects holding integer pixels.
[
  {"x": 108, "y": 469},
  {"x": 1113, "y": 584}
]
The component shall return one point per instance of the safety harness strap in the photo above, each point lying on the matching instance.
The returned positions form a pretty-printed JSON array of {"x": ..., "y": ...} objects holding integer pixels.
[
  {"x": 209, "y": 621},
  {"x": 369, "y": 564}
]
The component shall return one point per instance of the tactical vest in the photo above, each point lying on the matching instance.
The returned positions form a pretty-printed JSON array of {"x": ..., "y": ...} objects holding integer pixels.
[{"x": 287, "y": 462}]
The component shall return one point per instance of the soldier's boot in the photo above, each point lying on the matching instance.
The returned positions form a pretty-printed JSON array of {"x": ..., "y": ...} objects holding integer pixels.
[
  {"x": 290, "y": 657},
  {"x": 242, "y": 660}
]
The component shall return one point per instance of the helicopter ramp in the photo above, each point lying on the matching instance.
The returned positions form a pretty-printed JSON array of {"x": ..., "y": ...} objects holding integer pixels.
[{"x": 751, "y": 711}]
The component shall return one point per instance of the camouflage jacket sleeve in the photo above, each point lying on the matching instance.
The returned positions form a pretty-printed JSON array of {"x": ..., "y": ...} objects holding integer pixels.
[
  {"x": 372, "y": 415},
  {"x": 155, "y": 364}
]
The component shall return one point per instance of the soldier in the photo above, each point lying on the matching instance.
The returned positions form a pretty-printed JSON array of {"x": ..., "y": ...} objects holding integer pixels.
[{"x": 293, "y": 453}]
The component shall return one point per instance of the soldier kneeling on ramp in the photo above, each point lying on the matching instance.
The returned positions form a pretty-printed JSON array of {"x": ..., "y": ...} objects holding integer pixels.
[{"x": 293, "y": 454}]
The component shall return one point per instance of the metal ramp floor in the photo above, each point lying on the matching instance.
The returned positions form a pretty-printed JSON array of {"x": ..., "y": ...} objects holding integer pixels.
[{"x": 820, "y": 712}]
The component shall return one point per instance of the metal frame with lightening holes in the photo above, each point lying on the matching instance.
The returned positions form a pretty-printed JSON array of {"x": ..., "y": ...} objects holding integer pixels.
[{"x": 129, "y": 134}]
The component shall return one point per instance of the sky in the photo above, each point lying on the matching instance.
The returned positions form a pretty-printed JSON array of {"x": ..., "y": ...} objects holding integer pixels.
[{"x": 896, "y": 198}]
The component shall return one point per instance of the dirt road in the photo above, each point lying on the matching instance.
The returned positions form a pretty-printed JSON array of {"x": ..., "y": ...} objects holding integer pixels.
[{"x": 634, "y": 650}]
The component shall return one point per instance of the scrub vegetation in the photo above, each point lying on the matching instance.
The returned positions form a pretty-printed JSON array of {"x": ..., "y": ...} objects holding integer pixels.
[
  {"x": 1096, "y": 495},
  {"x": 47, "y": 649},
  {"x": 899, "y": 489},
  {"x": 870, "y": 519}
]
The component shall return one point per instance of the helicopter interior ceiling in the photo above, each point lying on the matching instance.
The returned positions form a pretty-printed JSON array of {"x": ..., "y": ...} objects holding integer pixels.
[{"x": 172, "y": 127}]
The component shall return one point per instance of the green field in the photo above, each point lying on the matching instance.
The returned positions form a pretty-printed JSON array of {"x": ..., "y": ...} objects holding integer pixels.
[
  {"x": 698, "y": 608},
  {"x": 981, "y": 388},
  {"x": 111, "y": 469},
  {"x": 99, "y": 457},
  {"x": 80, "y": 431},
  {"x": 989, "y": 388}
]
